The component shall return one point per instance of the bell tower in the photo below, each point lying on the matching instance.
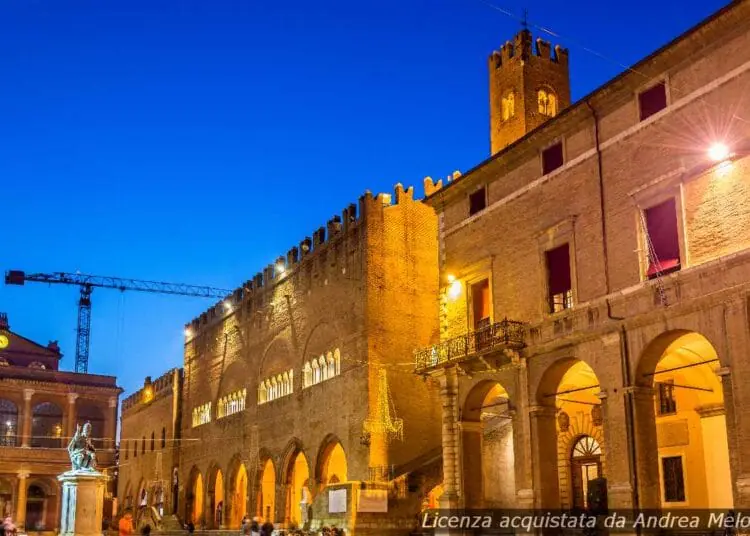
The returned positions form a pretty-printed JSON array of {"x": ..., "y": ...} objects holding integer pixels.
[{"x": 529, "y": 84}]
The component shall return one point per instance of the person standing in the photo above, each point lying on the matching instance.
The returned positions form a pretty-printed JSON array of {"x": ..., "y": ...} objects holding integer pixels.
[
  {"x": 125, "y": 526},
  {"x": 266, "y": 529}
]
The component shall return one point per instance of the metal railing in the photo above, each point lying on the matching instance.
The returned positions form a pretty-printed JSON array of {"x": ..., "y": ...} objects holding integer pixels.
[{"x": 503, "y": 334}]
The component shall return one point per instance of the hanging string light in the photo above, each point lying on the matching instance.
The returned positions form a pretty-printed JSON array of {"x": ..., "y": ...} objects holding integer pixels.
[{"x": 384, "y": 421}]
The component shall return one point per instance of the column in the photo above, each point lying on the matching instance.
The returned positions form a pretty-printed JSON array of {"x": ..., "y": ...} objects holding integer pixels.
[
  {"x": 716, "y": 455},
  {"x": 522, "y": 437},
  {"x": 451, "y": 447},
  {"x": 544, "y": 453},
  {"x": 110, "y": 425},
  {"x": 617, "y": 450},
  {"x": 646, "y": 446},
  {"x": 472, "y": 467},
  {"x": 70, "y": 421},
  {"x": 26, "y": 430},
  {"x": 21, "y": 500}
]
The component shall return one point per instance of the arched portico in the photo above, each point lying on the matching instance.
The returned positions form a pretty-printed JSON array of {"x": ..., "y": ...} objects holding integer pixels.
[
  {"x": 237, "y": 506},
  {"x": 296, "y": 478}
]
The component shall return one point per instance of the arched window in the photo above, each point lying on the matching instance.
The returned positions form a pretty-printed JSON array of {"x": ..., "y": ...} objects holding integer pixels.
[
  {"x": 163, "y": 437},
  {"x": 8, "y": 423},
  {"x": 4, "y": 362},
  {"x": 262, "y": 393},
  {"x": 143, "y": 445},
  {"x": 89, "y": 412},
  {"x": 125, "y": 448},
  {"x": 337, "y": 360},
  {"x": 331, "y": 364},
  {"x": 46, "y": 426},
  {"x": 152, "y": 442},
  {"x": 323, "y": 368},
  {"x": 547, "y": 102},
  {"x": 307, "y": 375},
  {"x": 585, "y": 465},
  {"x": 508, "y": 106},
  {"x": 37, "y": 365},
  {"x": 135, "y": 448},
  {"x": 291, "y": 381},
  {"x": 315, "y": 371}
]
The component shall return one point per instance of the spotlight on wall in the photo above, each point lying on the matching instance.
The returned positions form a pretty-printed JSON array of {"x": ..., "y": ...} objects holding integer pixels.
[
  {"x": 227, "y": 305},
  {"x": 188, "y": 332},
  {"x": 718, "y": 152},
  {"x": 451, "y": 278},
  {"x": 280, "y": 268}
]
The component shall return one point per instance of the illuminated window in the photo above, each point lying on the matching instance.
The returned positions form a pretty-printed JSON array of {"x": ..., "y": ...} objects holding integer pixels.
[
  {"x": 37, "y": 365},
  {"x": 508, "y": 106},
  {"x": 559, "y": 282},
  {"x": 480, "y": 304},
  {"x": 674, "y": 479},
  {"x": 321, "y": 368},
  {"x": 235, "y": 402},
  {"x": 552, "y": 158},
  {"x": 8, "y": 423},
  {"x": 153, "y": 441},
  {"x": 662, "y": 239},
  {"x": 125, "y": 449},
  {"x": 477, "y": 201},
  {"x": 270, "y": 389},
  {"x": 667, "y": 401},
  {"x": 547, "y": 102},
  {"x": 163, "y": 437},
  {"x": 202, "y": 414},
  {"x": 652, "y": 100},
  {"x": 143, "y": 445}
]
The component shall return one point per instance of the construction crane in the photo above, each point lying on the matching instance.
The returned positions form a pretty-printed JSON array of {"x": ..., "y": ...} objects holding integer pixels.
[{"x": 87, "y": 283}]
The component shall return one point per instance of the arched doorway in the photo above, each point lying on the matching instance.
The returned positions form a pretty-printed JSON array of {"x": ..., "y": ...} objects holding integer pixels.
[
  {"x": 569, "y": 390},
  {"x": 488, "y": 449},
  {"x": 298, "y": 498},
  {"x": 46, "y": 426},
  {"x": 216, "y": 500},
  {"x": 239, "y": 496},
  {"x": 688, "y": 419},
  {"x": 267, "y": 495},
  {"x": 585, "y": 466},
  {"x": 332, "y": 465},
  {"x": 195, "y": 502}
]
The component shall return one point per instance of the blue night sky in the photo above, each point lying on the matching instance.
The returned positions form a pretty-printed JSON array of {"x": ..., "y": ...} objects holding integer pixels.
[{"x": 194, "y": 142}]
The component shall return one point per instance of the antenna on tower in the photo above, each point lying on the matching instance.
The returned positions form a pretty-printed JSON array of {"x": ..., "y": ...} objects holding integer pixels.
[{"x": 525, "y": 19}]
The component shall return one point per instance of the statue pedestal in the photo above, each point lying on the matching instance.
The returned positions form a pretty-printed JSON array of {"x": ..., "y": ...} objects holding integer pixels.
[{"x": 82, "y": 503}]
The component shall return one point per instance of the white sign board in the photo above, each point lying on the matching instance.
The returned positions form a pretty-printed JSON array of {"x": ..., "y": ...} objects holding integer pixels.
[
  {"x": 337, "y": 501},
  {"x": 373, "y": 500}
]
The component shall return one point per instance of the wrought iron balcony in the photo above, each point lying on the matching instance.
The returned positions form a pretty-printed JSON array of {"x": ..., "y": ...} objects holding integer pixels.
[{"x": 480, "y": 342}]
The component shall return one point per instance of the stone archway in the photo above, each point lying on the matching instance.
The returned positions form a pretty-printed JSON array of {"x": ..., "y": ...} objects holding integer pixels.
[
  {"x": 680, "y": 422},
  {"x": 194, "y": 505},
  {"x": 266, "y": 491},
  {"x": 569, "y": 409},
  {"x": 215, "y": 505},
  {"x": 237, "y": 494},
  {"x": 488, "y": 449},
  {"x": 331, "y": 466},
  {"x": 296, "y": 478}
]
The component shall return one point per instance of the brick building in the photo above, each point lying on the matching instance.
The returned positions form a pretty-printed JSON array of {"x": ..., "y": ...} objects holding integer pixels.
[
  {"x": 299, "y": 387},
  {"x": 40, "y": 406},
  {"x": 578, "y": 303},
  {"x": 594, "y": 285}
]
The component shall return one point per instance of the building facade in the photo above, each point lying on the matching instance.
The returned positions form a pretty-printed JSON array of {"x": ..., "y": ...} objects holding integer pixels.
[
  {"x": 594, "y": 290},
  {"x": 299, "y": 402},
  {"x": 40, "y": 407}
]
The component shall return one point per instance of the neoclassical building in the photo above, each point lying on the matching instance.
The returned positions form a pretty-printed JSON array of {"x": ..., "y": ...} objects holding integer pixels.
[
  {"x": 40, "y": 406},
  {"x": 595, "y": 282}
]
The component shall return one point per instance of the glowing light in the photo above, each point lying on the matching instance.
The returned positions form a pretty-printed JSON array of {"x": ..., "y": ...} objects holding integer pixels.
[
  {"x": 280, "y": 269},
  {"x": 451, "y": 278},
  {"x": 454, "y": 290},
  {"x": 188, "y": 332},
  {"x": 8, "y": 424},
  {"x": 718, "y": 152},
  {"x": 227, "y": 306}
]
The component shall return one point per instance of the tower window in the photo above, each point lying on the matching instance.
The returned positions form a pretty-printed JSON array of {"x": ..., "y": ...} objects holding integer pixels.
[
  {"x": 560, "y": 288},
  {"x": 674, "y": 479},
  {"x": 552, "y": 158},
  {"x": 547, "y": 103},
  {"x": 667, "y": 402},
  {"x": 652, "y": 100},
  {"x": 662, "y": 239},
  {"x": 508, "y": 105},
  {"x": 480, "y": 304},
  {"x": 477, "y": 201}
]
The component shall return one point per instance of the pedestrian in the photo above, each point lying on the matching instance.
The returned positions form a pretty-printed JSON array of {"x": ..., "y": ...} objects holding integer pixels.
[
  {"x": 9, "y": 527},
  {"x": 146, "y": 530},
  {"x": 266, "y": 529},
  {"x": 125, "y": 526},
  {"x": 255, "y": 527},
  {"x": 190, "y": 527}
]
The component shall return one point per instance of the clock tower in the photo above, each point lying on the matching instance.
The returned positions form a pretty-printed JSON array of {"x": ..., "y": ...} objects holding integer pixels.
[{"x": 529, "y": 84}]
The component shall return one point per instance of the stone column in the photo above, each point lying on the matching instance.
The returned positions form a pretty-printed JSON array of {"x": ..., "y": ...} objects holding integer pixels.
[
  {"x": 451, "y": 448},
  {"x": 21, "y": 500},
  {"x": 617, "y": 451},
  {"x": 646, "y": 446},
  {"x": 26, "y": 429},
  {"x": 70, "y": 421},
  {"x": 544, "y": 447},
  {"x": 82, "y": 503},
  {"x": 110, "y": 425},
  {"x": 471, "y": 467},
  {"x": 522, "y": 437}
]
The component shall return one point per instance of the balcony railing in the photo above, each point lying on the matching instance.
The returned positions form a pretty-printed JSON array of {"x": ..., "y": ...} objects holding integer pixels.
[{"x": 503, "y": 334}]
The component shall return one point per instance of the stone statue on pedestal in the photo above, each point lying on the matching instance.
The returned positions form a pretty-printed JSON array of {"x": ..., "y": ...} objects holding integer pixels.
[{"x": 81, "y": 449}]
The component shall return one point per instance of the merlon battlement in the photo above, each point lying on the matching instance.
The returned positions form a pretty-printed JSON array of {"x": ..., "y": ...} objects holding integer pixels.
[
  {"x": 150, "y": 389},
  {"x": 336, "y": 229},
  {"x": 430, "y": 186},
  {"x": 521, "y": 49}
]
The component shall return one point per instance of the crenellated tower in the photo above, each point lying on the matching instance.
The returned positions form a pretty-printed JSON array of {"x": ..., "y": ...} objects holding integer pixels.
[{"x": 529, "y": 84}]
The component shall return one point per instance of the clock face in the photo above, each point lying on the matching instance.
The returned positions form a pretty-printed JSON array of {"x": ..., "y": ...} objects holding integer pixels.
[{"x": 4, "y": 342}]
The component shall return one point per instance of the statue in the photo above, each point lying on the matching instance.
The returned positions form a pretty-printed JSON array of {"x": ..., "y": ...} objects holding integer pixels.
[{"x": 81, "y": 450}]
